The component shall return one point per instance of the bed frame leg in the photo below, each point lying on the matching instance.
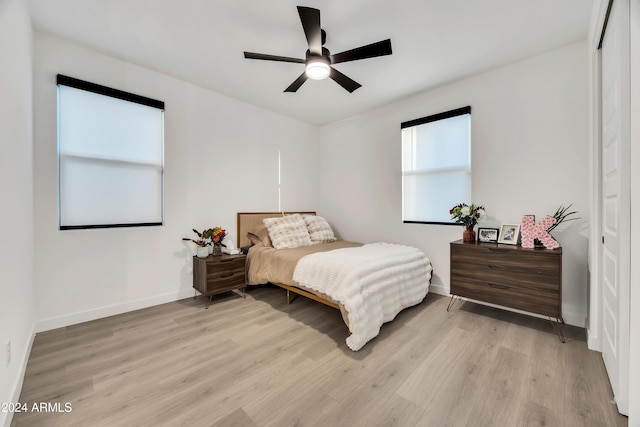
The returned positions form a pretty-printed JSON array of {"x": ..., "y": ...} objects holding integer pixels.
[{"x": 291, "y": 296}]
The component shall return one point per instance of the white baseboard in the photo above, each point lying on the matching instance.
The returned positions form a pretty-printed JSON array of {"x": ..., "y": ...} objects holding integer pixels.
[
  {"x": 438, "y": 289},
  {"x": 7, "y": 417},
  {"x": 110, "y": 310},
  {"x": 574, "y": 319},
  {"x": 593, "y": 342}
]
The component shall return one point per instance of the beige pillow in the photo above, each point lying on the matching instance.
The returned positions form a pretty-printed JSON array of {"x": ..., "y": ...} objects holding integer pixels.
[
  {"x": 259, "y": 234},
  {"x": 319, "y": 229},
  {"x": 289, "y": 231}
]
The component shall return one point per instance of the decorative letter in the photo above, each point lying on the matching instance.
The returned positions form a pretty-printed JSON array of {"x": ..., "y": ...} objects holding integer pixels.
[{"x": 531, "y": 230}]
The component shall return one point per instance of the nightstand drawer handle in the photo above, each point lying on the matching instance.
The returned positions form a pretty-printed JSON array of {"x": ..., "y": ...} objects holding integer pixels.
[
  {"x": 503, "y": 287},
  {"x": 224, "y": 276},
  {"x": 495, "y": 267},
  {"x": 227, "y": 260}
]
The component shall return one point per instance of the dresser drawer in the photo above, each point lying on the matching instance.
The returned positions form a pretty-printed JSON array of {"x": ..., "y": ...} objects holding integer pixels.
[
  {"x": 527, "y": 261},
  {"x": 546, "y": 304},
  {"x": 504, "y": 276}
]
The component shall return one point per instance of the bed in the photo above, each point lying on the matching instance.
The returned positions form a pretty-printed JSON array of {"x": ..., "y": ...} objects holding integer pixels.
[{"x": 369, "y": 283}]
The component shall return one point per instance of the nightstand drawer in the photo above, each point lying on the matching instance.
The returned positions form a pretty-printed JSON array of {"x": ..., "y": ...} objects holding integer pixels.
[
  {"x": 219, "y": 282},
  {"x": 222, "y": 265}
]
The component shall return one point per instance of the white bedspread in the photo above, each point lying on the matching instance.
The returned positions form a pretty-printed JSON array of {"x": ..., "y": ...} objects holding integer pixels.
[{"x": 373, "y": 283}]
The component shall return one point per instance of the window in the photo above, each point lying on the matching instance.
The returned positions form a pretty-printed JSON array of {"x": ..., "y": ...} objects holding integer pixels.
[
  {"x": 110, "y": 157},
  {"x": 436, "y": 166}
]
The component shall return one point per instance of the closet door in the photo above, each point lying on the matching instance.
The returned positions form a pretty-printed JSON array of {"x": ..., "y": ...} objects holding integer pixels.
[{"x": 615, "y": 203}]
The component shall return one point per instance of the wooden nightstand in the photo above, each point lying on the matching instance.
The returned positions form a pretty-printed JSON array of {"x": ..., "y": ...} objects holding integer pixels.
[{"x": 216, "y": 274}]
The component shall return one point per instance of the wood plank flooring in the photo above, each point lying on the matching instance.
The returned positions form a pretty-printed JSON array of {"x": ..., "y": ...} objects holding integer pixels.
[{"x": 260, "y": 362}]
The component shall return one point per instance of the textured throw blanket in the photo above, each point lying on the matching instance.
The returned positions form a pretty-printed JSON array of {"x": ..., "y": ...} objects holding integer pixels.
[{"x": 373, "y": 283}]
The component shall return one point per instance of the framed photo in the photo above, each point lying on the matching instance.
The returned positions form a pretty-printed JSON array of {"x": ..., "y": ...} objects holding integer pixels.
[
  {"x": 488, "y": 235},
  {"x": 509, "y": 234}
]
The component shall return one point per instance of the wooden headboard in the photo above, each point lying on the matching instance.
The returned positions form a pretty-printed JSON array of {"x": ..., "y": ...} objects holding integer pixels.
[{"x": 247, "y": 220}]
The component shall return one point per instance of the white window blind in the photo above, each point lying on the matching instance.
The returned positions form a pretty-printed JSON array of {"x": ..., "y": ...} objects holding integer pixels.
[
  {"x": 436, "y": 165},
  {"x": 110, "y": 154}
]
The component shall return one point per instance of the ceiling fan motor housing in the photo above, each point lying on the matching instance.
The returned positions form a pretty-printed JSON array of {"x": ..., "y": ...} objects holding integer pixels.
[{"x": 318, "y": 60}]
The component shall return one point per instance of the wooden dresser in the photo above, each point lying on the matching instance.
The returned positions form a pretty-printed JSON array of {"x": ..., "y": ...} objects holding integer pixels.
[
  {"x": 216, "y": 274},
  {"x": 509, "y": 275}
]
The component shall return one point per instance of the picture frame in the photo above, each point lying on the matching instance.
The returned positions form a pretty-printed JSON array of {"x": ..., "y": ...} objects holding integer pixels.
[
  {"x": 488, "y": 235},
  {"x": 509, "y": 234}
]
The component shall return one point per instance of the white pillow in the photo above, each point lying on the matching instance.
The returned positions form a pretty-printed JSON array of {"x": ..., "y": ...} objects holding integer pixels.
[
  {"x": 287, "y": 231},
  {"x": 319, "y": 229}
]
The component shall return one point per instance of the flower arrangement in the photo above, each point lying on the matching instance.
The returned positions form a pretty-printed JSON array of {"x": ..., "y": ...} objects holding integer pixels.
[
  {"x": 561, "y": 215},
  {"x": 217, "y": 235},
  {"x": 213, "y": 236},
  {"x": 210, "y": 237},
  {"x": 202, "y": 239},
  {"x": 467, "y": 215}
]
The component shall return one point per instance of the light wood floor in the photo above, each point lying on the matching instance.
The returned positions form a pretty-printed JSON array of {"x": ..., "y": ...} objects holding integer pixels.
[{"x": 260, "y": 362}]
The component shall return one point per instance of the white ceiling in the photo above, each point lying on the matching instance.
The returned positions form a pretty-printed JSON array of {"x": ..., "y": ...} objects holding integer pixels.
[{"x": 202, "y": 41}]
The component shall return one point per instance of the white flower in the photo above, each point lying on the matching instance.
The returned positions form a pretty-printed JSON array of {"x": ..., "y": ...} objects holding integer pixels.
[
  {"x": 465, "y": 211},
  {"x": 481, "y": 214}
]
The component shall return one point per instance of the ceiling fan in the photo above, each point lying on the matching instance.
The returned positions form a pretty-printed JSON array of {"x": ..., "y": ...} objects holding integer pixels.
[{"x": 318, "y": 61}]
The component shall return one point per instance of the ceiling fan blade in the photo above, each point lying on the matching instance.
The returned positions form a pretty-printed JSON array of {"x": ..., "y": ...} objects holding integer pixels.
[
  {"x": 252, "y": 55},
  {"x": 297, "y": 83},
  {"x": 380, "y": 48},
  {"x": 310, "y": 19},
  {"x": 344, "y": 81}
]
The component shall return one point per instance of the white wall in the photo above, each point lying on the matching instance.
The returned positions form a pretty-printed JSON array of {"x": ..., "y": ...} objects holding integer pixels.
[
  {"x": 17, "y": 308},
  {"x": 221, "y": 157},
  {"x": 530, "y": 154}
]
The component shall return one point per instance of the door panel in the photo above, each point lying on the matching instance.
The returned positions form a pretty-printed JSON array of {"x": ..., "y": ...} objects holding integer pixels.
[{"x": 615, "y": 201}]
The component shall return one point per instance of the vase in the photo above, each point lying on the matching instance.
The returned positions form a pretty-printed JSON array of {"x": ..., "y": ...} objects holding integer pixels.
[
  {"x": 469, "y": 235},
  {"x": 217, "y": 250},
  {"x": 202, "y": 251}
]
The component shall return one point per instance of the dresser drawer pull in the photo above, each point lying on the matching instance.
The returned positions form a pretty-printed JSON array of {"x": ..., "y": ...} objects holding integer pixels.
[
  {"x": 503, "y": 287},
  {"x": 224, "y": 276},
  {"x": 227, "y": 259},
  {"x": 495, "y": 267}
]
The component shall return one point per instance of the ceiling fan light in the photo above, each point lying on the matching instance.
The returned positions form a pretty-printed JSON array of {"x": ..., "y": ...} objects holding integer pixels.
[{"x": 317, "y": 70}]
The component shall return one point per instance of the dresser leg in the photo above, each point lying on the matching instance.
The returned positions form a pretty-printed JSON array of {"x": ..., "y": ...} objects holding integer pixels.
[
  {"x": 557, "y": 325},
  {"x": 452, "y": 301}
]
